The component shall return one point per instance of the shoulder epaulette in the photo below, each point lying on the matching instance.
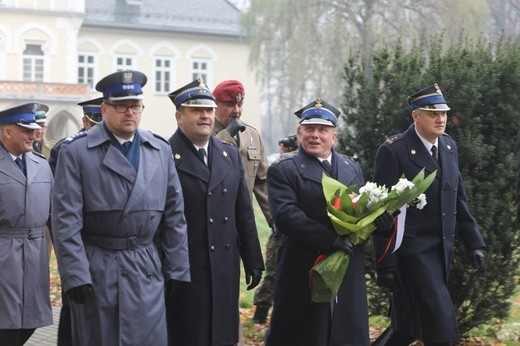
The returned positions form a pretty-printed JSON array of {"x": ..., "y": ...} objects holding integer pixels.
[
  {"x": 74, "y": 137},
  {"x": 284, "y": 157},
  {"x": 394, "y": 138},
  {"x": 160, "y": 137},
  {"x": 39, "y": 154}
]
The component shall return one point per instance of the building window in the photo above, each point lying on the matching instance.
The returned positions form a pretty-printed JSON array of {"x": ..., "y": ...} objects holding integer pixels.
[
  {"x": 163, "y": 75},
  {"x": 86, "y": 70},
  {"x": 199, "y": 68},
  {"x": 33, "y": 63},
  {"x": 124, "y": 63}
]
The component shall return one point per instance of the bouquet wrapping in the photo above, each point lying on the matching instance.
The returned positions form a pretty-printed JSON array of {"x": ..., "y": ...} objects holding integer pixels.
[{"x": 353, "y": 215}]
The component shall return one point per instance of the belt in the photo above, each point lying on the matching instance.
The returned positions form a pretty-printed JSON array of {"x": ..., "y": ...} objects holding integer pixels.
[
  {"x": 22, "y": 233},
  {"x": 110, "y": 243}
]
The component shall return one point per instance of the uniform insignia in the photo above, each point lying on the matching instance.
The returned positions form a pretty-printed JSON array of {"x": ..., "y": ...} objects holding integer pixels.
[
  {"x": 224, "y": 153},
  {"x": 449, "y": 147},
  {"x": 40, "y": 155},
  {"x": 75, "y": 136},
  {"x": 128, "y": 77},
  {"x": 177, "y": 156},
  {"x": 413, "y": 152}
]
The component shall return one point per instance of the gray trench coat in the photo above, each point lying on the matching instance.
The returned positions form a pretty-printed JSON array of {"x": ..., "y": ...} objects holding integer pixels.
[
  {"x": 24, "y": 261},
  {"x": 106, "y": 215}
]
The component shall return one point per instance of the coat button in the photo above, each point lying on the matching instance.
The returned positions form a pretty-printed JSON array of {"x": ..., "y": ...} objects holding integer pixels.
[
  {"x": 125, "y": 273},
  {"x": 226, "y": 219},
  {"x": 226, "y": 247},
  {"x": 209, "y": 194},
  {"x": 212, "y": 248},
  {"x": 224, "y": 190},
  {"x": 210, "y": 220}
]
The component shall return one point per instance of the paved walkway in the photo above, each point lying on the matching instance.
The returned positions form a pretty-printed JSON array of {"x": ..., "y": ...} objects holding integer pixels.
[{"x": 46, "y": 336}]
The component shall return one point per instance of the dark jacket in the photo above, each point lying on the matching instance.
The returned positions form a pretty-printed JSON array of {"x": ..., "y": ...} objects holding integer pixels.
[
  {"x": 298, "y": 206},
  {"x": 221, "y": 230},
  {"x": 421, "y": 305}
]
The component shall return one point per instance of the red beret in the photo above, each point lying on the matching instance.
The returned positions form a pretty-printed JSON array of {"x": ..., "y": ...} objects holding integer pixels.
[{"x": 229, "y": 91}]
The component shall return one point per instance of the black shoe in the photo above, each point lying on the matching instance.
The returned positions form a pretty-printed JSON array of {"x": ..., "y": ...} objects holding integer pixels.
[{"x": 260, "y": 315}]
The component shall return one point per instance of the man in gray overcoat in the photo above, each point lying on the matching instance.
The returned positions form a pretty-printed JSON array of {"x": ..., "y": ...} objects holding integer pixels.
[
  {"x": 25, "y": 199},
  {"x": 119, "y": 228},
  {"x": 221, "y": 226}
]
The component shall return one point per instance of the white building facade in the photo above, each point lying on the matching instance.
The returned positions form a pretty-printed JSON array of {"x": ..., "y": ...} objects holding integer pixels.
[{"x": 55, "y": 51}]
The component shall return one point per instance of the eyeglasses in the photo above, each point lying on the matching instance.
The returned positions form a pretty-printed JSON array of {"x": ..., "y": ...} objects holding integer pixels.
[{"x": 121, "y": 108}]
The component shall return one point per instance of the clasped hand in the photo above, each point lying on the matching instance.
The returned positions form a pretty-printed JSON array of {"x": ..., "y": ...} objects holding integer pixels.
[
  {"x": 343, "y": 243},
  {"x": 384, "y": 223}
]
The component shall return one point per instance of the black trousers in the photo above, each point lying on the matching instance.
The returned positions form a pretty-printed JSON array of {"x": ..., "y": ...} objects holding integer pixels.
[
  {"x": 65, "y": 324},
  {"x": 15, "y": 337}
]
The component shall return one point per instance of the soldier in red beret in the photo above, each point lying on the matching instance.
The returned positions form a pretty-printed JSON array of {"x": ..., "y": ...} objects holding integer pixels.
[{"x": 229, "y": 96}]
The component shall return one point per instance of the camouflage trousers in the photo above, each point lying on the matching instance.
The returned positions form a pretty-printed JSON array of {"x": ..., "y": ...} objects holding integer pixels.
[{"x": 264, "y": 294}]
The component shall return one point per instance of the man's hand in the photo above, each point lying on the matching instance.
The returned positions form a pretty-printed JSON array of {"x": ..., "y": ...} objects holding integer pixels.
[
  {"x": 385, "y": 279},
  {"x": 79, "y": 294},
  {"x": 343, "y": 243},
  {"x": 477, "y": 258},
  {"x": 384, "y": 223},
  {"x": 235, "y": 126},
  {"x": 253, "y": 278},
  {"x": 172, "y": 286}
]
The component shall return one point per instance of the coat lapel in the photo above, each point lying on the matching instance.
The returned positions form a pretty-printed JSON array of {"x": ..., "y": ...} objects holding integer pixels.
[
  {"x": 221, "y": 163},
  {"x": 32, "y": 167},
  {"x": 10, "y": 168},
  {"x": 186, "y": 161},
  {"x": 147, "y": 169},
  {"x": 418, "y": 154},
  {"x": 346, "y": 172}
]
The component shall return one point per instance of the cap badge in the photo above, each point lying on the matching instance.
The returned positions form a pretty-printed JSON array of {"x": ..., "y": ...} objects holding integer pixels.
[
  {"x": 128, "y": 77},
  {"x": 318, "y": 103},
  {"x": 238, "y": 98},
  {"x": 437, "y": 89},
  {"x": 201, "y": 83}
]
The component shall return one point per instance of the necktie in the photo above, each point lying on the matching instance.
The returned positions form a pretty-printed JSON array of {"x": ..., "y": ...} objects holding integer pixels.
[
  {"x": 126, "y": 145},
  {"x": 19, "y": 163},
  {"x": 328, "y": 167},
  {"x": 434, "y": 153},
  {"x": 202, "y": 154}
]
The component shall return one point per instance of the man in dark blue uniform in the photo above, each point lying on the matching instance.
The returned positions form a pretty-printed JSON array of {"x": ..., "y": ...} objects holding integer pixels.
[
  {"x": 298, "y": 207},
  {"x": 221, "y": 226},
  {"x": 418, "y": 271}
]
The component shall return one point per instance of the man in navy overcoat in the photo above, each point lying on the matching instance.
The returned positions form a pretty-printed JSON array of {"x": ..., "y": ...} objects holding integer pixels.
[{"x": 418, "y": 271}]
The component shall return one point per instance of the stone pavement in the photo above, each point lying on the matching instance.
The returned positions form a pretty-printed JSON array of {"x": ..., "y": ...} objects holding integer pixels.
[{"x": 46, "y": 336}]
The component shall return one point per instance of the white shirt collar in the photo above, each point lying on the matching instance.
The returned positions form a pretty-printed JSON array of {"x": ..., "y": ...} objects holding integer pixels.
[
  {"x": 426, "y": 143},
  {"x": 121, "y": 140}
]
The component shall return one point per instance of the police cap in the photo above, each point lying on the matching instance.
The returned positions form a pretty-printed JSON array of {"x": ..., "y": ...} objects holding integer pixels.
[
  {"x": 23, "y": 115},
  {"x": 318, "y": 112},
  {"x": 194, "y": 94},
  {"x": 92, "y": 109},
  {"x": 430, "y": 99},
  {"x": 122, "y": 85}
]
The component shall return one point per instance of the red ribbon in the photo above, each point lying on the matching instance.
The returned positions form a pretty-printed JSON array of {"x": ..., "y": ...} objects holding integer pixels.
[{"x": 394, "y": 232}]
